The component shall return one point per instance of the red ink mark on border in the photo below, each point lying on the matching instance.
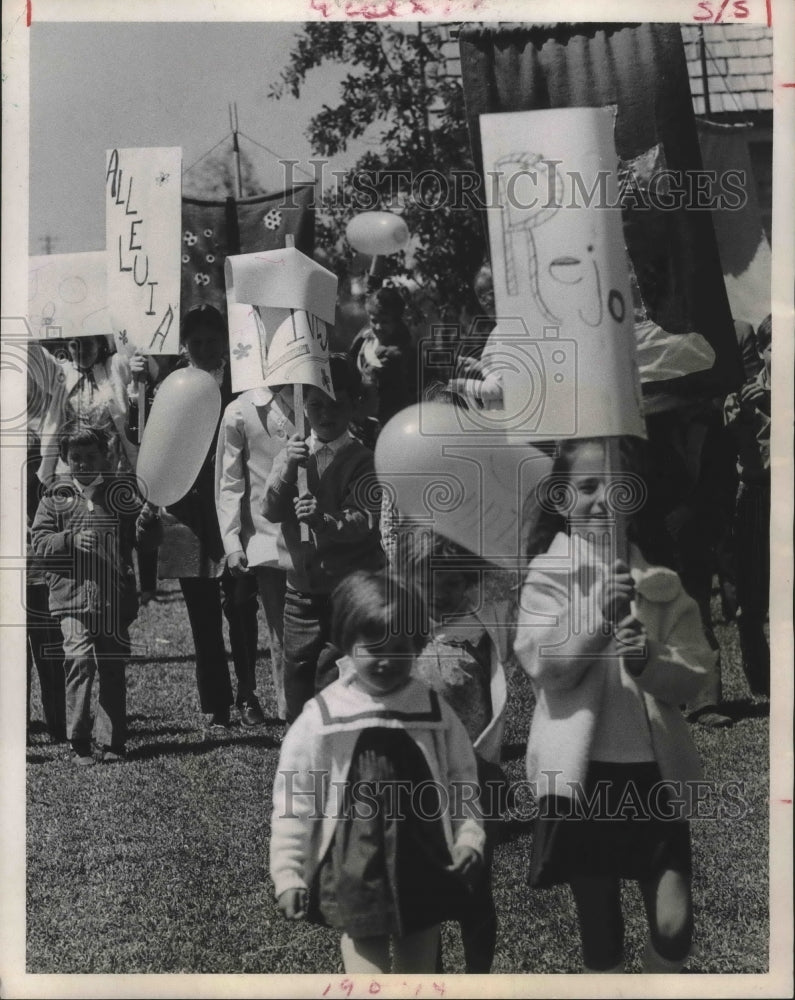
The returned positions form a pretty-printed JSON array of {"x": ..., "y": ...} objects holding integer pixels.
[
  {"x": 769, "y": 5},
  {"x": 719, "y": 15},
  {"x": 787, "y": 85},
  {"x": 320, "y": 6},
  {"x": 28, "y": 12},
  {"x": 786, "y": 802}
]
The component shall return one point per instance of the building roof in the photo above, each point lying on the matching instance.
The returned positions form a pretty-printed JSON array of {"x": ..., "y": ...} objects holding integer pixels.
[{"x": 739, "y": 67}]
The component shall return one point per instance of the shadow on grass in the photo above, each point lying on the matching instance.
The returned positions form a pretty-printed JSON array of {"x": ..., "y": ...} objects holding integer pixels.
[
  {"x": 174, "y": 749},
  {"x": 145, "y": 658},
  {"x": 744, "y": 708}
]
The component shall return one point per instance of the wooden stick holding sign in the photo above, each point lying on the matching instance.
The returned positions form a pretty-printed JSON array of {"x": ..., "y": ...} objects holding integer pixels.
[
  {"x": 298, "y": 409},
  {"x": 295, "y": 299}
]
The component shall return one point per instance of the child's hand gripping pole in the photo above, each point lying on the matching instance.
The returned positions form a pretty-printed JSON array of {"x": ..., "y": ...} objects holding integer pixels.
[
  {"x": 300, "y": 427},
  {"x": 298, "y": 407},
  {"x": 138, "y": 367}
]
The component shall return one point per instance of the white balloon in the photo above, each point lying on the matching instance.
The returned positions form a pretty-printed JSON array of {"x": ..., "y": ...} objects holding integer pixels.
[
  {"x": 177, "y": 435},
  {"x": 471, "y": 487},
  {"x": 377, "y": 233}
]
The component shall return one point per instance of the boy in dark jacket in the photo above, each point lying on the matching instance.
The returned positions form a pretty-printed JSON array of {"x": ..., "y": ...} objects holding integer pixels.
[
  {"x": 86, "y": 525},
  {"x": 341, "y": 509}
]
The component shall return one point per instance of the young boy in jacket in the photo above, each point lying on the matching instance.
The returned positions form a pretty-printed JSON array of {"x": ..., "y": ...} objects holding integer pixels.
[{"x": 86, "y": 525}]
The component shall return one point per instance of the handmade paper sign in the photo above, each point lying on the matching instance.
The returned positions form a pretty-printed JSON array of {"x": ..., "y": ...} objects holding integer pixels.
[
  {"x": 564, "y": 345},
  {"x": 67, "y": 295},
  {"x": 278, "y": 330},
  {"x": 143, "y": 222}
]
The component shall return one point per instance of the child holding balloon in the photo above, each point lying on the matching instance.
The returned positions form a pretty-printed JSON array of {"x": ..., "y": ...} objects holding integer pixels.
[
  {"x": 354, "y": 845},
  {"x": 612, "y": 650},
  {"x": 341, "y": 510},
  {"x": 193, "y": 552}
]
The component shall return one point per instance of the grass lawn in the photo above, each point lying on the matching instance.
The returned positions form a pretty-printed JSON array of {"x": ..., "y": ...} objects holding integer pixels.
[{"x": 159, "y": 864}]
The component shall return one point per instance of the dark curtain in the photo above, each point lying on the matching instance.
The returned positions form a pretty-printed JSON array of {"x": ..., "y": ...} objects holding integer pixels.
[
  {"x": 640, "y": 70},
  {"x": 213, "y": 230}
]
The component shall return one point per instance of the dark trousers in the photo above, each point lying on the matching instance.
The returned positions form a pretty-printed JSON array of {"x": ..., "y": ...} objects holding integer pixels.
[
  {"x": 307, "y": 624},
  {"x": 45, "y": 652},
  {"x": 696, "y": 566},
  {"x": 752, "y": 546},
  {"x": 207, "y": 599}
]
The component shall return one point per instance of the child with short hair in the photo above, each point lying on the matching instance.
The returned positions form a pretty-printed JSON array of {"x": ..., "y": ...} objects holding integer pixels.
[
  {"x": 341, "y": 510},
  {"x": 385, "y": 356},
  {"x": 612, "y": 650},
  {"x": 86, "y": 525},
  {"x": 387, "y": 868}
]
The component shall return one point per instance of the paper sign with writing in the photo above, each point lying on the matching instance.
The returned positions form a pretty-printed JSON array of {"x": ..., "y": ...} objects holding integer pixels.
[
  {"x": 67, "y": 295},
  {"x": 143, "y": 223},
  {"x": 280, "y": 306},
  {"x": 564, "y": 332}
]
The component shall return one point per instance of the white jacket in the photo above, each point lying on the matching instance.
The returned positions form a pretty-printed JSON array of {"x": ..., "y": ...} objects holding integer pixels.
[
  {"x": 568, "y": 667},
  {"x": 316, "y": 757}
]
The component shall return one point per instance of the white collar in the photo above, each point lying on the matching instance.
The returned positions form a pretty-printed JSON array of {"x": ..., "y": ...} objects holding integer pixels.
[
  {"x": 88, "y": 490},
  {"x": 334, "y": 446}
]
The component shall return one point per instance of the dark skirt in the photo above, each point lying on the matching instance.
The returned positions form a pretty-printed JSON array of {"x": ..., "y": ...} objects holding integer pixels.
[
  {"x": 620, "y": 831},
  {"x": 384, "y": 871}
]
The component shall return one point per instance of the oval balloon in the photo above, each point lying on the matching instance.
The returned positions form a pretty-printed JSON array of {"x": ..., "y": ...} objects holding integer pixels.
[
  {"x": 377, "y": 233},
  {"x": 177, "y": 435},
  {"x": 471, "y": 487}
]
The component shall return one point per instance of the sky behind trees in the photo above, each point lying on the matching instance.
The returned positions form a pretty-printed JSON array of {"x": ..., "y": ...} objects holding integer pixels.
[{"x": 95, "y": 86}]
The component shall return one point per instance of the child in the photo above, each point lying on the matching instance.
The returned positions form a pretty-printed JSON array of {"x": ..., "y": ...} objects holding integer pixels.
[
  {"x": 463, "y": 661},
  {"x": 193, "y": 552},
  {"x": 253, "y": 431},
  {"x": 91, "y": 519},
  {"x": 612, "y": 651},
  {"x": 341, "y": 510},
  {"x": 384, "y": 355},
  {"x": 352, "y": 845},
  {"x": 747, "y": 415}
]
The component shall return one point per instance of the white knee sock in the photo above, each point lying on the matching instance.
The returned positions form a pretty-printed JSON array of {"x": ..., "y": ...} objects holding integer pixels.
[{"x": 653, "y": 962}]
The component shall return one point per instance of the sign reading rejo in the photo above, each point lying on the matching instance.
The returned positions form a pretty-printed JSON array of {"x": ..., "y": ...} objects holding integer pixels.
[
  {"x": 143, "y": 214},
  {"x": 564, "y": 341}
]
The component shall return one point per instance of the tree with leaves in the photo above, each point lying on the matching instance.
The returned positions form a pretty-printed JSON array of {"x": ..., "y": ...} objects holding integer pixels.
[{"x": 398, "y": 87}]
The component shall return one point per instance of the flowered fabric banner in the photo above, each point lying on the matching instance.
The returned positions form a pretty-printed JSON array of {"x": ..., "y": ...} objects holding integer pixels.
[{"x": 213, "y": 229}]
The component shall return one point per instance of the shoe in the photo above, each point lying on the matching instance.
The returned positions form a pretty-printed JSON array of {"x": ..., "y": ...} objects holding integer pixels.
[
  {"x": 111, "y": 755},
  {"x": 220, "y": 720},
  {"x": 251, "y": 713},
  {"x": 81, "y": 754},
  {"x": 710, "y": 718},
  {"x": 147, "y": 596}
]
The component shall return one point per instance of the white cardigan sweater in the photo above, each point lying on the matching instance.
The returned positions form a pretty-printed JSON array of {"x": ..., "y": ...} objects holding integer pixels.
[
  {"x": 316, "y": 757},
  {"x": 568, "y": 669}
]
